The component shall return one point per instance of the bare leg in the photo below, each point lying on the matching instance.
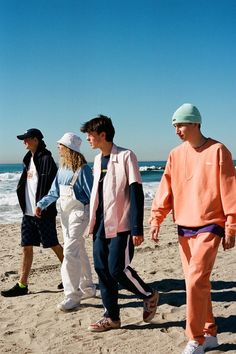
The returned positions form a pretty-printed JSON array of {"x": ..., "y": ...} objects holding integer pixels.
[
  {"x": 58, "y": 249},
  {"x": 27, "y": 259}
]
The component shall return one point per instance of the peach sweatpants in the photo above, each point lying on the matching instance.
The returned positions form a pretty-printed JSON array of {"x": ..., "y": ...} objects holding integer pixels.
[{"x": 198, "y": 255}]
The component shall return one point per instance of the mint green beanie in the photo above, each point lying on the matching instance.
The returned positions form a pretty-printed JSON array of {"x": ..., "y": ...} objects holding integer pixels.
[{"x": 187, "y": 113}]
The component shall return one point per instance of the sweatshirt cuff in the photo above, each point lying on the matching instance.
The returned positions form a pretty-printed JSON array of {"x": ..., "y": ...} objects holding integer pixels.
[
  {"x": 135, "y": 231},
  {"x": 39, "y": 205},
  {"x": 153, "y": 222}
]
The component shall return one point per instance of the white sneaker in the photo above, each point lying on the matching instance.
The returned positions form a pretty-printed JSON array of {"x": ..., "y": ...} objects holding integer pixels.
[
  {"x": 193, "y": 347},
  {"x": 67, "y": 305},
  {"x": 89, "y": 292},
  {"x": 210, "y": 342}
]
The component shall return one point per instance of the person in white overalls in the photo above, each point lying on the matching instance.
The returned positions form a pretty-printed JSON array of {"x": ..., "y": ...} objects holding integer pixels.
[{"x": 72, "y": 184}]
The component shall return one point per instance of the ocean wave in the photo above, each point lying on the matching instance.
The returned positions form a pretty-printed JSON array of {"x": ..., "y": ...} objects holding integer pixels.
[
  {"x": 9, "y": 176},
  {"x": 10, "y": 215},
  {"x": 8, "y": 199},
  {"x": 149, "y": 191},
  {"x": 9, "y": 205},
  {"x": 151, "y": 168}
]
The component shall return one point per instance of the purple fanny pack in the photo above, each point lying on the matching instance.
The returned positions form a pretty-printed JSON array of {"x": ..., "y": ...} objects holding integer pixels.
[{"x": 193, "y": 231}]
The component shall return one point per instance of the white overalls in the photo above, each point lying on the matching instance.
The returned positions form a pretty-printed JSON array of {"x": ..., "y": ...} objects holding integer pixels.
[{"x": 75, "y": 271}]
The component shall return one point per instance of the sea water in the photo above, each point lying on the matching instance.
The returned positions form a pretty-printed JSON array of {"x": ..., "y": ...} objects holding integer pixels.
[
  {"x": 9, "y": 206},
  {"x": 151, "y": 172}
]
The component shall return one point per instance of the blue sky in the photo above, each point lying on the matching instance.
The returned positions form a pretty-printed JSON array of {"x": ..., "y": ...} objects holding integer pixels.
[{"x": 63, "y": 62}]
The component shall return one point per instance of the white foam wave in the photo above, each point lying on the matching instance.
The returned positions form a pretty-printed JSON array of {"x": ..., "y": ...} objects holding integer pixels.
[
  {"x": 9, "y": 206},
  {"x": 9, "y": 177},
  {"x": 151, "y": 168},
  {"x": 10, "y": 216},
  {"x": 149, "y": 190},
  {"x": 8, "y": 183},
  {"x": 8, "y": 199}
]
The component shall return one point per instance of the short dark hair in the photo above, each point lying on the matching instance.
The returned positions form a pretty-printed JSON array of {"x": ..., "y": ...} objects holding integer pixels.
[{"x": 99, "y": 125}]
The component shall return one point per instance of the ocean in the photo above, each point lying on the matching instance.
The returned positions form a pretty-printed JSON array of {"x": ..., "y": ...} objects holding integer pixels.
[{"x": 10, "y": 212}]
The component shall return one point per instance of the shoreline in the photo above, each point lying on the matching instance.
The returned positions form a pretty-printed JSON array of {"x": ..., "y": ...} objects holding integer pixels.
[{"x": 32, "y": 324}]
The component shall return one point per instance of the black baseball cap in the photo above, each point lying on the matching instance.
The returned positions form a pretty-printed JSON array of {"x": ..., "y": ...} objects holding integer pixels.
[{"x": 31, "y": 133}]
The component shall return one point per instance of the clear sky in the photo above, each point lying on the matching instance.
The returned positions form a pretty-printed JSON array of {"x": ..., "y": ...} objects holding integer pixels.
[{"x": 62, "y": 62}]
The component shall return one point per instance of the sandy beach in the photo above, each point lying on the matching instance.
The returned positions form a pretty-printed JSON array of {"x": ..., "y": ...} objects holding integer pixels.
[{"x": 32, "y": 323}]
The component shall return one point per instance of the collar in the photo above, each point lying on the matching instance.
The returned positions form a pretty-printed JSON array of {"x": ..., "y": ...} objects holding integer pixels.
[{"x": 113, "y": 153}]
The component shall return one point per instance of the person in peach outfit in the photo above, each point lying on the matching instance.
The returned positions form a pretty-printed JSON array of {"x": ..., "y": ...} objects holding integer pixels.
[{"x": 199, "y": 187}]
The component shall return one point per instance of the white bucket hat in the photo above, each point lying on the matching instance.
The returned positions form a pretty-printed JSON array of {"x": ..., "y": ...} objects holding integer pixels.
[{"x": 71, "y": 140}]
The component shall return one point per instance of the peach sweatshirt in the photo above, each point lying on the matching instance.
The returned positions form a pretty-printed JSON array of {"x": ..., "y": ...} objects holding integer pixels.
[{"x": 199, "y": 185}]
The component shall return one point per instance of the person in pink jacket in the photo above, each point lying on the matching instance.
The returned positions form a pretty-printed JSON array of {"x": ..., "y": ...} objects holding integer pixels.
[
  {"x": 199, "y": 187},
  {"x": 116, "y": 223}
]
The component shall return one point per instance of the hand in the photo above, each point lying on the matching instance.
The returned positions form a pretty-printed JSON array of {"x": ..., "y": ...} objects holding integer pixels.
[
  {"x": 154, "y": 233},
  {"x": 137, "y": 240},
  {"x": 228, "y": 242},
  {"x": 38, "y": 212}
]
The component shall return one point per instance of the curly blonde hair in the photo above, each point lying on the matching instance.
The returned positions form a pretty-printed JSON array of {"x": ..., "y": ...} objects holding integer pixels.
[{"x": 71, "y": 159}]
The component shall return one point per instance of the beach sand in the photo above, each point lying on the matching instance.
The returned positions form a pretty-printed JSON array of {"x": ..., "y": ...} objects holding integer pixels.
[{"x": 32, "y": 323}]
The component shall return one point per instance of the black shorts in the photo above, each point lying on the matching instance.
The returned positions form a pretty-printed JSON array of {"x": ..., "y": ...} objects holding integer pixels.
[{"x": 35, "y": 231}]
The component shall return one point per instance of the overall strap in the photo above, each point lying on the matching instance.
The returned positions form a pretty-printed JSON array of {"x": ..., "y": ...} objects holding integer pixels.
[{"x": 74, "y": 178}]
